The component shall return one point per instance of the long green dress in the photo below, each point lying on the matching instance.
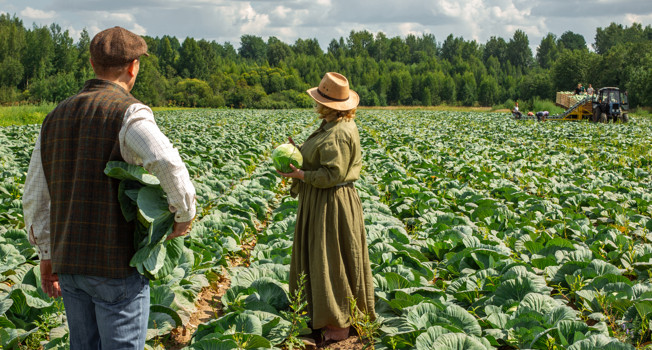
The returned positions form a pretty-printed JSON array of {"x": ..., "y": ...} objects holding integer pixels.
[{"x": 330, "y": 244}]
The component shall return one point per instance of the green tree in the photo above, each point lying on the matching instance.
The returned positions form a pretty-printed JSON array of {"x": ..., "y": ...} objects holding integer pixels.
[
  {"x": 616, "y": 66},
  {"x": 210, "y": 51},
  {"x": 191, "y": 63},
  {"x": 167, "y": 55},
  {"x": 426, "y": 46},
  {"x": 276, "y": 83},
  {"x": 467, "y": 89},
  {"x": 55, "y": 87},
  {"x": 488, "y": 91},
  {"x": 451, "y": 48},
  {"x": 639, "y": 87},
  {"x": 380, "y": 47},
  {"x": 400, "y": 88},
  {"x": 570, "y": 69},
  {"x": 493, "y": 67},
  {"x": 398, "y": 50},
  {"x": 547, "y": 52},
  {"x": 12, "y": 37},
  {"x": 228, "y": 52},
  {"x": 151, "y": 86},
  {"x": 497, "y": 48},
  {"x": 39, "y": 54},
  {"x": 536, "y": 85},
  {"x": 253, "y": 47},
  {"x": 83, "y": 70},
  {"x": 193, "y": 93},
  {"x": 449, "y": 90},
  {"x": 518, "y": 50},
  {"x": 608, "y": 37},
  {"x": 359, "y": 43},
  {"x": 64, "y": 53},
  {"x": 571, "y": 41},
  {"x": 277, "y": 51},
  {"x": 309, "y": 47},
  {"x": 11, "y": 72}
]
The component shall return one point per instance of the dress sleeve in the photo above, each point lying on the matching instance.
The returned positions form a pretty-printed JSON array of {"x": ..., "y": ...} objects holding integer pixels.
[{"x": 334, "y": 158}]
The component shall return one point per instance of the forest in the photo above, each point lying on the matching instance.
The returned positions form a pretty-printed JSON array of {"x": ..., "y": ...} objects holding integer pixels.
[{"x": 44, "y": 64}]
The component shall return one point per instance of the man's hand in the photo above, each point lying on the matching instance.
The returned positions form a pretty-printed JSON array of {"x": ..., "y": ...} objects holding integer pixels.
[
  {"x": 180, "y": 229},
  {"x": 49, "y": 280}
]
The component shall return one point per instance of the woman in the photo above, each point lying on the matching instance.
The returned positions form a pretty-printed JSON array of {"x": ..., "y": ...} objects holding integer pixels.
[{"x": 330, "y": 245}]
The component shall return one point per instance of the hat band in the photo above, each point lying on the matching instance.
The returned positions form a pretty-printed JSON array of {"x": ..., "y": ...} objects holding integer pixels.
[{"x": 331, "y": 98}]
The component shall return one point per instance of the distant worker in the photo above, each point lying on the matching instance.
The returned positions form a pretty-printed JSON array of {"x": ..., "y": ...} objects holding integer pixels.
[
  {"x": 541, "y": 116},
  {"x": 515, "y": 112},
  {"x": 579, "y": 89},
  {"x": 589, "y": 90}
]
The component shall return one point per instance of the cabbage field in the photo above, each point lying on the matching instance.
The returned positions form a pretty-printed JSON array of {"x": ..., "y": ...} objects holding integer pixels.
[{"x": 484, "y": 233}]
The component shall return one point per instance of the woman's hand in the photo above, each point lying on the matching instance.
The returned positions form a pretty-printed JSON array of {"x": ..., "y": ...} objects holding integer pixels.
[{"x": 296, "y": 173}]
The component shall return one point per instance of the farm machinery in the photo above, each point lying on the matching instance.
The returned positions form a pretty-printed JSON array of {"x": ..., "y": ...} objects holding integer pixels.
[{"x": 608, "y": 104}]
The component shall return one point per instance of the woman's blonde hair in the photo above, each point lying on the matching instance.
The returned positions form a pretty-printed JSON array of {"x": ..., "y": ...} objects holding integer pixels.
[{"x": 332, "y": 115}]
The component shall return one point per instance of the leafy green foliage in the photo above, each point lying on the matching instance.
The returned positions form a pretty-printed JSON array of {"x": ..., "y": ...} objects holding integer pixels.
[{"x": 482, "y": 232}]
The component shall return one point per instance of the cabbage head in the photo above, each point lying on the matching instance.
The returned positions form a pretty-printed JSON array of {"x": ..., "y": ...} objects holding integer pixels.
[{"x": 287, "y": 154}]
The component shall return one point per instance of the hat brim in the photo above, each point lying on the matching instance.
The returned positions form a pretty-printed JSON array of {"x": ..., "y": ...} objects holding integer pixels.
[{"x": 345, "y": 105}]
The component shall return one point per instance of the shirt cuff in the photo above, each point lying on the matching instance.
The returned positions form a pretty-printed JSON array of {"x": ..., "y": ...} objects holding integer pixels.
[
  {"x": 185, "y": 216},
  {"x": 44, "y": 251}
]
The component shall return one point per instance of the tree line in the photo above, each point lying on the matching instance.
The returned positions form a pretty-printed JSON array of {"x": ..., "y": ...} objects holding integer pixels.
[{"x": 44, "y": 64}]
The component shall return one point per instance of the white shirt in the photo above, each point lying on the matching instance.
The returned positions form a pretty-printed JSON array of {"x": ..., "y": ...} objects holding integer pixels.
[{"x": 141, "y": 143}]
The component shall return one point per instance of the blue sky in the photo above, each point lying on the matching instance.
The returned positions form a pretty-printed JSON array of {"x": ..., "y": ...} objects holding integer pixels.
[{"x": 288, "y": 20}]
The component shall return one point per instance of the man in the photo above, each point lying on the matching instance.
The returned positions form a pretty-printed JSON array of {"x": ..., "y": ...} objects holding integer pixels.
[
  {"x": 515, "y": 112},
  {"x": 71, "y": 208}
]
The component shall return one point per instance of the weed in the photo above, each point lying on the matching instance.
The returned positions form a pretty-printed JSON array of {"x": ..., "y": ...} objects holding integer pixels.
[
  {"x": 363, "y": 324},
  {"x": 45, "y": 323},
  {"x": 298, "y": 317}
]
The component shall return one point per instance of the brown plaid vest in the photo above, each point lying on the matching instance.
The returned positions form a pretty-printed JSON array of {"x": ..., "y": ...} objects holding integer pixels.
[{"x": 89, "y": 235}]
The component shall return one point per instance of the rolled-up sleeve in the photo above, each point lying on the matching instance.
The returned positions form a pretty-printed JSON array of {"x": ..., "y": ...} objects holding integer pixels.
[
  {"x": 143, "y": 143},
  {"x": 334, "y": 158},
  {"x": 36, "y": 204}
]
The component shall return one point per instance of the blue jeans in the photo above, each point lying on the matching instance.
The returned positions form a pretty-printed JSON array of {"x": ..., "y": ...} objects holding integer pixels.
[{"x": 106, "y": 313}]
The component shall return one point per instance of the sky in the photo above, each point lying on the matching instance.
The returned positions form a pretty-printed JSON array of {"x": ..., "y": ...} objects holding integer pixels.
[{"x": 289, "y": 20}]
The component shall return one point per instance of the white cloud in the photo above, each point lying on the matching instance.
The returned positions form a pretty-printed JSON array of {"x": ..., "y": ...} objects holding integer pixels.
[
  {"x": 408, "y": 28},
  {"x": 254, "y": 23},
  {"x": 638, "y": 18},
  {"x": 228, "y": 20},
  {"x": 281, "y": 11},
  {"x": 450, "y": 8},
  {"x": 120, "y": 17},
  {"x": 37, "y": 14},
  {"x": 138, "y": 29}
]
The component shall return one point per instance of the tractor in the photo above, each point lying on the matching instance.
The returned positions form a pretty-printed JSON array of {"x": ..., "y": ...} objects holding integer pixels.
[{"x": 610, "y": 104}]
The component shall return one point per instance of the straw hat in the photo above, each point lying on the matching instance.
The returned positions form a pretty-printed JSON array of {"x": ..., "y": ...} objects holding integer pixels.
[{"x": 333, "y": 92}]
